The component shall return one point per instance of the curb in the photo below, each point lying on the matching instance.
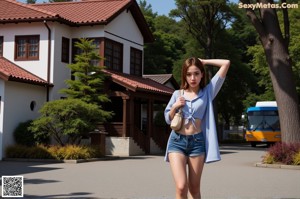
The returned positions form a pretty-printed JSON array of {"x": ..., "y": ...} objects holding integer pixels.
[
  {"x": 61, "y": 161},
  {"x": 278, "y": 166}
]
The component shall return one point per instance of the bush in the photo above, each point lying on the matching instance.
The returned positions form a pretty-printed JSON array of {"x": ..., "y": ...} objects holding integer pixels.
[
  {"x": 71, "y": 118},
  {"x": 69, "y": 152},
  {"x": 268, "y": 159},
  {"x": 24, "y": 136},
  {"x": 284, "y": 152},
  {"x": 296, "y": 160},
  {"x": 32, "y": 152}
]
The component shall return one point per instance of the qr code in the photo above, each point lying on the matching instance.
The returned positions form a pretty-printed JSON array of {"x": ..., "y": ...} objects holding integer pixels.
[{"x": 12, "y": 186}]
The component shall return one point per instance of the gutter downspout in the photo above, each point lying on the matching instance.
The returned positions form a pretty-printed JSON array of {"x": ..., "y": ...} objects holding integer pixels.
[{"x": 49, "y": 59}]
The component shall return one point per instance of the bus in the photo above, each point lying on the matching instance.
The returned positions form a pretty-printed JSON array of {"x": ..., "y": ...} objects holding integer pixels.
[{"x": 263, "y": 123}]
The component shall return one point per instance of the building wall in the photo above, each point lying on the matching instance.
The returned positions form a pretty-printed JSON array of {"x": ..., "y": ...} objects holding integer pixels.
[
  {"x": 9, "y": 31},
  {"x": 2, "y": 90},
  {"x": 122, "y": 146},
  {"x": 124, "y": 30},
  {"x": 16, "y": 99}
]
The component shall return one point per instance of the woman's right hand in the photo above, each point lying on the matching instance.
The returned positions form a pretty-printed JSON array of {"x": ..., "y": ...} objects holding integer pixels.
[{"x": 180, "y": 101}]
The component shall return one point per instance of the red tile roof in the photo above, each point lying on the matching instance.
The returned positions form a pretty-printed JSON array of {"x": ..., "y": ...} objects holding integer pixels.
[
  {"x": 11, "y": 10},
  {"x": 86, "y": 11},
  {"x": 11, "y": 72},
  {"x": 136, "y": 83},
  {"x": 75, "y": 13}
]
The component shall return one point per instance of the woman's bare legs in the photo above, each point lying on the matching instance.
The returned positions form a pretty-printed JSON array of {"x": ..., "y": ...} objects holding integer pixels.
[
  {"x": 178, "y": 166},
  {"x": 195, "y": 168}
]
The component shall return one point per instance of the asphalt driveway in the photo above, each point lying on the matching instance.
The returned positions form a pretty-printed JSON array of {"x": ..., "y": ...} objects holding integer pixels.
[{"x": 149, "y": 177}]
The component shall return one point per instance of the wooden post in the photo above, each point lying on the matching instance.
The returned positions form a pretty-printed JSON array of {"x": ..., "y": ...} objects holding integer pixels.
[{"x": 150, "y": 124}]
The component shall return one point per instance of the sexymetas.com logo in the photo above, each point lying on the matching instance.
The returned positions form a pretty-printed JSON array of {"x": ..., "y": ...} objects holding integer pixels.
[{"x": 254, "y": 6}]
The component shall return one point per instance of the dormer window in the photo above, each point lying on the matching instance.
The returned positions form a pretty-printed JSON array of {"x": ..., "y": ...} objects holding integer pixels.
[{"x": 27, "y": 47}]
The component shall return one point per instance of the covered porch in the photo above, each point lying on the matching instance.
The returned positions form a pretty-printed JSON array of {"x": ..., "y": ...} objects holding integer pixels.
[{"x": 138, "y": 126}]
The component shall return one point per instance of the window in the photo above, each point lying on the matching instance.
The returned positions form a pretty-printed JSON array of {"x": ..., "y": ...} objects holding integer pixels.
[
  {"x": 65, "y": 50},
  {"x": 113, "y": 54},
  {"x": 76, "y": 51},
  {"x": 135, "y": 62},
  {"x": 1, "y": 46},
  {"x": 96, "y": 43},
  {"x": 27, "y": 47}
]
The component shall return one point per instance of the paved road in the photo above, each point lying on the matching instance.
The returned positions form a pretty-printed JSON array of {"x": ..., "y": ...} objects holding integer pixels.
[{"x": 149, "y": 177}]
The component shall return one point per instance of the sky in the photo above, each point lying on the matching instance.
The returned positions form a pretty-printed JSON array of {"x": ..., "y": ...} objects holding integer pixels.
[{"x": 162, "y": 7}]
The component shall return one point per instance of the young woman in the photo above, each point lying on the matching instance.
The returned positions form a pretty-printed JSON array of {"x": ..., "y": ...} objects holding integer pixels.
[{"x": 196, "y": 142}]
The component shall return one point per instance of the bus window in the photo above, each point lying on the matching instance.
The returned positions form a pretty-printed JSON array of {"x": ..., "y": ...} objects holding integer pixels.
[{"x": 263, "y": 120}]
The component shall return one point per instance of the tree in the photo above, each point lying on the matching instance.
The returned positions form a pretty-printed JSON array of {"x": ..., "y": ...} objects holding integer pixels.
[
  {"x": 66, "y": 120},
  {"x": 168, "y": 46},
  {"x": 275, "y": 44},
  {"x": 204, "y": 20},
  {"x": 88, "y": 76},
  {"x": 31, "y": 1}
]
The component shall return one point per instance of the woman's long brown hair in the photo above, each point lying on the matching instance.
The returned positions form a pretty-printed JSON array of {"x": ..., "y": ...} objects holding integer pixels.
[{"x": 192, "y": 61}]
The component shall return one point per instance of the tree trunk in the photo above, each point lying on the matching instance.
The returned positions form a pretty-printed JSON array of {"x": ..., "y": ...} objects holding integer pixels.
[
  {"x": 284, "y": 89},
  {"x": 277, "y": 55}
]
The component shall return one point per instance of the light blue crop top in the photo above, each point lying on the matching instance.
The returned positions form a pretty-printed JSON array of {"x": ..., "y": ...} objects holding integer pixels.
[{"x": 195, "y": 108}]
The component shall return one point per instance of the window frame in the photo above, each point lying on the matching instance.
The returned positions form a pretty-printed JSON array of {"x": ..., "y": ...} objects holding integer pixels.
[
  {"x": 1, "y": 45},
  {"x": 135, "y": 67},
  {"x": 113, "y": 58},
  {"x": 27, "y": 46},
  {"x": 65, "y": 50}
]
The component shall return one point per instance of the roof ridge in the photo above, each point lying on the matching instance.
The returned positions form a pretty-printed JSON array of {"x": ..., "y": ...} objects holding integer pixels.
[
  {"x": 73, "y": 2},
  {"x": 158, "y": 74},
  {"x": 29, "y": 6}
]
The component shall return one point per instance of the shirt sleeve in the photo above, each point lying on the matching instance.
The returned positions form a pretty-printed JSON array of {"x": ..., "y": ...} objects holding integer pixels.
[
  {"x": 215, "y": 85},
  {"x": 169, "y": 106}
]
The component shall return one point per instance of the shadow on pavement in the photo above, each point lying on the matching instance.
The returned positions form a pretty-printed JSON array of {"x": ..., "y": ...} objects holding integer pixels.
[
  {"x": 65, "y": 196},
  {"x": 20, "y": 168}
]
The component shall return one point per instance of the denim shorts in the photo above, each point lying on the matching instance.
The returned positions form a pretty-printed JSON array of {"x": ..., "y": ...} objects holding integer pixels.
[{"x": 189, "y": 145}]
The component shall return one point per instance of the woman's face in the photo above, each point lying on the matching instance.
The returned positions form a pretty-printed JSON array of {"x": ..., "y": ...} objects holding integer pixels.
[{"x": 193, "y": 76}]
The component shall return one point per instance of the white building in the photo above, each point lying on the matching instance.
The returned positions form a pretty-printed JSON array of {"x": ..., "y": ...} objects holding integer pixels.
[{"x": 37, "y": 43}]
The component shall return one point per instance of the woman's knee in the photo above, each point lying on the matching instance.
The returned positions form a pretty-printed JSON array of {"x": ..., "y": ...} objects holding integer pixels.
[
  {"x": 182, "y": 189},
  {"x": 194, "y": 190}
]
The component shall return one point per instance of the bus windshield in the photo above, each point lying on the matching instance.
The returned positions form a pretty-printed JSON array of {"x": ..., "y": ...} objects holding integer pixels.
[{"x": 263, "y": 120}]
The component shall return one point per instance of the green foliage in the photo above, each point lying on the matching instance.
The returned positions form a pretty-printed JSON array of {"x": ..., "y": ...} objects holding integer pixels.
[
  {"x": 89, "y": 77},
  {"x": 31, "y": 1},
  {"x": 162, "y": 53},
  {"x": 248, "y": 79},
  {"x": 24, "y": 136},
  {"x": 168, "y": 46},
  {"x": 71, "y": 118},
  {"x": 69, "y": 152}
]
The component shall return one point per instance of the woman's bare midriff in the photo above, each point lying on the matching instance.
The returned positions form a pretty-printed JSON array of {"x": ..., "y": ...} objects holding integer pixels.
[{"x": 189, "y": 128}]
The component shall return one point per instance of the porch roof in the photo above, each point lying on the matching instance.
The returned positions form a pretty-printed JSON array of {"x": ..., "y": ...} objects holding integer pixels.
[
  {"x": 12, "y": 72},
  {"x": 163, "y": 79},
  {"x": 136, "y": 83}
]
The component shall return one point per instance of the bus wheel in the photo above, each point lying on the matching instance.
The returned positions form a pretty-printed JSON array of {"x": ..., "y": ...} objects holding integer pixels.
[{"x": 253, "y": 144}]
